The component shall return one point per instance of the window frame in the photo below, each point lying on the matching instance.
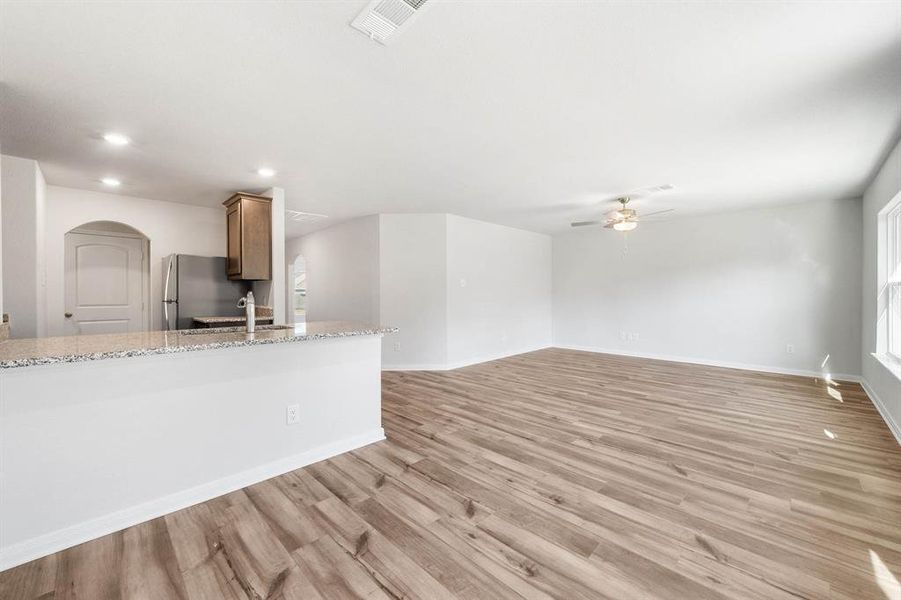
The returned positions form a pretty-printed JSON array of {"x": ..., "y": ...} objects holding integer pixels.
[{"x": 893, "y": 282}]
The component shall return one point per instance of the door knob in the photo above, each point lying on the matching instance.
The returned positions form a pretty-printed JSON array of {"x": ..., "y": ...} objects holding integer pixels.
[{"x": 68, "y": 315}]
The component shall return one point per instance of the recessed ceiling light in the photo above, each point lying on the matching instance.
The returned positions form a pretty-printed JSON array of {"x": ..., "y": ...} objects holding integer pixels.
[
  {"x": 265, "y": 172},
  {"x": 111, "y": 181},
  {"x": 116, "y": 139}
]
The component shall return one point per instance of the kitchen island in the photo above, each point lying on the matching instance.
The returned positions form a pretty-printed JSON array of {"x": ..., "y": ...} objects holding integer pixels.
[{"x": 100, "y": 432}]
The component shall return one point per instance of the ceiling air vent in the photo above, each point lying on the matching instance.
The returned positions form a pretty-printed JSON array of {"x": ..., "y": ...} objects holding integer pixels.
[
  {"x": 304, "y": 217},
  {"x": 381, "y": 20}
]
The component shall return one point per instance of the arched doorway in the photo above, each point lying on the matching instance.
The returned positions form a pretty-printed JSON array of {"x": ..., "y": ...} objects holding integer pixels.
[
  {"x": 106, "y": 279},
  {"x": 299, "y": 280}
]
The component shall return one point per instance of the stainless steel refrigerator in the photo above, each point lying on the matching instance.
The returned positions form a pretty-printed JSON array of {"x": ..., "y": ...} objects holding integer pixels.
[{"x": 198, "y": 286}]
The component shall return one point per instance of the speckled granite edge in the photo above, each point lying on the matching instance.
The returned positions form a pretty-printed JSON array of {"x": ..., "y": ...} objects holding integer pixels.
[{"x": 192, "y": 347}]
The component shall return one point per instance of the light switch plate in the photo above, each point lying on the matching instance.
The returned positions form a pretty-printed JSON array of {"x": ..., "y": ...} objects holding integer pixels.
[{"x": 292, "y": 414}]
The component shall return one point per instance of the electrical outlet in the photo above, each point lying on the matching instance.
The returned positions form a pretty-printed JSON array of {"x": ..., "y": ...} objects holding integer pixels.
[
  {"x": 397, "y": 346},
  {"x": 624, "y": 336},
  {"x": 292, "y": 414},
  {"x": 790, "y": 348},
  {"x": 462, "y": 283}
]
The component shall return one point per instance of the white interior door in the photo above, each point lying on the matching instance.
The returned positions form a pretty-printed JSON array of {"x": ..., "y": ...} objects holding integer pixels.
[{"x": 104, "y": 283}]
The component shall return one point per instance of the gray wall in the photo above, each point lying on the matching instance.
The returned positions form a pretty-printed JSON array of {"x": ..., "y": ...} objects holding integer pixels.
[
  {"x": 413, "y": 290},
  {"x": 881, "y": 384},
  {"x": 732, "y": 288},
  {"x": 459, "y": 290},
  {"x": 342, "y": 265},
  {"x": 498, "y": 291}
]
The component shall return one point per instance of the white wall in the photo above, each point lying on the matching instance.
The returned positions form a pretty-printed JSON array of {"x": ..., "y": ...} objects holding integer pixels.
[
  {"x": 404, "y": 271},
  {"x": 498, "y": 291},
  {"x": 883, "y": 386},
  {"x": 171, "y": 228},
  {"x": 40, "y": 212},
  {"x": 293, "y": 248},
  {"x": 2, "y": 311},
  {"x": 413, "y": 290},
  {"x": 91, "y": 447},
  {"x": 342, "y": 271},
  {"x": 732, "y": 288},
  {"x": 272, "y": 293},
  {"x": 23, "y": 225}
]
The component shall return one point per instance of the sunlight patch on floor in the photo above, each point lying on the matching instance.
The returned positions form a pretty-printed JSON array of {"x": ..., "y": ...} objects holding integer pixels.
[{"x": 885, "y": 579}]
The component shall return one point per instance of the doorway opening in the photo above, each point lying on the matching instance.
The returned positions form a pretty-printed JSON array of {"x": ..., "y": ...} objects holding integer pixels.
[
  {"x": 107, "y": 279},
  {"x": 300, "y": 289}
]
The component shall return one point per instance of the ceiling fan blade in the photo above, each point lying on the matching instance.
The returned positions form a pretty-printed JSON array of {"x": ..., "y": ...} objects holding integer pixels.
[
  {"x": 658, "y": 212},
  {"x": 585, "y": 223},
  {"x": 650, "y": 190}
]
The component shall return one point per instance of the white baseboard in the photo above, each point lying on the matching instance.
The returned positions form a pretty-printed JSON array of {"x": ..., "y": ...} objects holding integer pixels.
[
  {"x": 463, "y": 363},
  {"x": 712, "y": 363},
  {"x": 893, "y": 425},
  {"x": 61, "y": 539},
  {"x": 475, "y": 360},
  {"x": 416, "y": 367},
  {"x": 883, "y": 411}
]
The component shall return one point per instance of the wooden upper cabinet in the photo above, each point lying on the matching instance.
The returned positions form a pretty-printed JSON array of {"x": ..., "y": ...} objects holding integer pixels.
[
  {"x": 233, "y": 223},
  {"x": 249, "y": 228}
]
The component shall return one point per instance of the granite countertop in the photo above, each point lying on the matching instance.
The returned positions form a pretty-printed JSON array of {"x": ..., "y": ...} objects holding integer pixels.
[
  {"x": 212, "y": 320},
  {"x": 77, "y": 348}
]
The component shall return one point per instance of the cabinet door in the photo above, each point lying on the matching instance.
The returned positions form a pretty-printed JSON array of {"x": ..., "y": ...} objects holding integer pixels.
[
  {"x": 233, "y": 228},
  {"x": 256, "y": 239}
]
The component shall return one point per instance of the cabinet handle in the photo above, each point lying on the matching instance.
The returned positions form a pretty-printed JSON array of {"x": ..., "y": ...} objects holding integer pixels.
[{"x": 68, "y": 315}]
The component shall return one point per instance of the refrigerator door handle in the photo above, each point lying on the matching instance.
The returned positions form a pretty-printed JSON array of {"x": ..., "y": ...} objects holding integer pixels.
[
  {"x": 166, "y": 301},
  {"x": 168, "y": 277}
]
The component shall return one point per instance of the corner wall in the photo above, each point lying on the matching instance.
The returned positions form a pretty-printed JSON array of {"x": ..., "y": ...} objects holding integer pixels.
[
  {"x": 883, "y": 387},
  {"x": 25, "y": 296},
  {"x": 498, "y": 291},
  {"x": 734, "y": 289},
  {"x": 405, "y": 271},
  {"x": 342, "y": 264},
  {"x": 413, "y": 290},
  {"x": 3, "y": 334},
  {"x": 273, "y": 293}
]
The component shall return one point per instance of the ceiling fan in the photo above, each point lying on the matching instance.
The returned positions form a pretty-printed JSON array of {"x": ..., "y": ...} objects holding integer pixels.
[{"x": 624, "y": 218}]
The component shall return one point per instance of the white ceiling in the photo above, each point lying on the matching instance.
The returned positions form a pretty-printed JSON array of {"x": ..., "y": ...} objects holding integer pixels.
[{"x": 521, "y": 113}]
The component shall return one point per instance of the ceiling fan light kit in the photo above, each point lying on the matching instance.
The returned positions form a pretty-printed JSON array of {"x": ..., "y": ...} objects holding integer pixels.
[
  {"x": 625, "y": 225},
  {"x": 626, "y": 219}
]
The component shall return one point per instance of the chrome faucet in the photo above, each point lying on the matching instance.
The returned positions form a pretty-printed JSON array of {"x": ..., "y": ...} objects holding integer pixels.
[{"x": 247, "y": 303}]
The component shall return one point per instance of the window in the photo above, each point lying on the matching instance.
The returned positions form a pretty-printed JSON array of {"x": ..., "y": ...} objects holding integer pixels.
[{"x": 893, "y": 281}]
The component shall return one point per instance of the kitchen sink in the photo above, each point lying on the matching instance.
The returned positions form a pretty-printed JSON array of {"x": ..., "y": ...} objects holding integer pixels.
[{"x": 239, "y": 329}]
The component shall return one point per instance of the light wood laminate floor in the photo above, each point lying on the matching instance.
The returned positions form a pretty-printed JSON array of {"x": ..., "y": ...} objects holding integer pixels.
[{"x": 553, "y": 474}]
